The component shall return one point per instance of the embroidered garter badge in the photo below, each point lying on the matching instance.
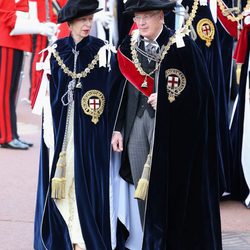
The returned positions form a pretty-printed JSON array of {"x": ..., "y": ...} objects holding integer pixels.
[
  {"x": 176, "y": 82},
  {"x": 205, "y": 29},
  {"x": 93, "y": 103}
]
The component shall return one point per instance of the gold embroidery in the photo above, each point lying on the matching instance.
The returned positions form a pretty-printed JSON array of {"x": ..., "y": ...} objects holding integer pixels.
[
  {"x": 93, "y": 103},
  {"x": 205, "y": 29},
  {"x": 176, "y": 82}
]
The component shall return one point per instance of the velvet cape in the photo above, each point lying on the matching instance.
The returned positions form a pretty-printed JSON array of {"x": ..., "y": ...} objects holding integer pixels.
[
  {"x": 213, "y": 58},
  {"x": 91, "y": 155},
  {"x": 182, "y": 211}
]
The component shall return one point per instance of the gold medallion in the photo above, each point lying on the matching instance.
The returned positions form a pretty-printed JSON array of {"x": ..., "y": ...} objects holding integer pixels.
[
  {"x": 176, "y": 82},
  {"x": 93, "y": 103},
  {"x": 205, "y": 29}
]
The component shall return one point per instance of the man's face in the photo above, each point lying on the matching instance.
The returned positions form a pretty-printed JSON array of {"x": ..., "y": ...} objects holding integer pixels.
[
  {"x": 81, "y": 26},
  {"x": 149, "y": 23}
]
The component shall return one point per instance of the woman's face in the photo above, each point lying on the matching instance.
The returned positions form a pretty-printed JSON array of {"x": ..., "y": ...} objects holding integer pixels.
[{"x": 80, "y": 27}]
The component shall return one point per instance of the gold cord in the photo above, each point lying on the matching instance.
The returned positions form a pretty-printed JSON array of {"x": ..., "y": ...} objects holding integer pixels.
[{"x": 230, "y": 16}]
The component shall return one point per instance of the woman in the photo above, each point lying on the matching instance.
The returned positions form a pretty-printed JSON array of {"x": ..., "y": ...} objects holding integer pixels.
[{"x": 72, "y": 209}]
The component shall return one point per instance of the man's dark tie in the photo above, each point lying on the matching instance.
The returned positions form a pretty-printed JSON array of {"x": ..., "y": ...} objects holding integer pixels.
[{"x": 152, "y": 49}]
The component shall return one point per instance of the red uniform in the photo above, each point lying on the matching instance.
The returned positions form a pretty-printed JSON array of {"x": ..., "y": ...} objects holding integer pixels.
[
  {"x": 7, "y": 22},
  {"x": 11, "y": 58},
  {"x": 45, "y": 13}
]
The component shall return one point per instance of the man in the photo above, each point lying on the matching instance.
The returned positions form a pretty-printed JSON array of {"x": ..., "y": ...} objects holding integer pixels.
[
  {"x": 14, "y": 23},
  {"x": 168, "y": 112}
]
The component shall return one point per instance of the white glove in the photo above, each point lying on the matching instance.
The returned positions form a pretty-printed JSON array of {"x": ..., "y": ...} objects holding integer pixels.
[
  {"x": 247, "y": 20},
  {"x": 105, "y": 18},
  {"x": 25, "y": 25},
  {"x": 47, "y": 29},
  {"x": 246, "y": 13}
]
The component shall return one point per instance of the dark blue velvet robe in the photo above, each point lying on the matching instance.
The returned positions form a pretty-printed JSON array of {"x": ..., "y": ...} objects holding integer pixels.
[
  {"x": 91, "y": 150},
  {"x": 214, "y": 64},
  {"x": 182, "y": 211}
]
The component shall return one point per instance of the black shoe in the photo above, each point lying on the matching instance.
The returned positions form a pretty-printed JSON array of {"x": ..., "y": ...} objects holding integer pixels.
[
  {"x": 27, "y": 143},
  {"x": 15, "y": 144}
]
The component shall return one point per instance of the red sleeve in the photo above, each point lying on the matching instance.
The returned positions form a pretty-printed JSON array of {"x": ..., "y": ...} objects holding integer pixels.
[
  {"x": 22, "y": 5},
  {"x": 8, "y": 13},
  {"x": 231, "y": 27},
  {"x": 8, "y": 10},
  {"x": 241, "y": 51}
]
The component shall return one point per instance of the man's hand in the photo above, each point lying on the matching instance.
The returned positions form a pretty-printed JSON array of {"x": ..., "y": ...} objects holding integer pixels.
[
  {"x": 117, "y": 141},
  {"x": 152, "y": 100}
]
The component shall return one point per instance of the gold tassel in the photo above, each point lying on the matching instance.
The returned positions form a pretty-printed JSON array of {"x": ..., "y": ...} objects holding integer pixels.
[
  {"x": 58, "y": 184},
  {"x": 142, "y": 187},
  {"x": 58, "y": 187},
  {"x": 62, "y": 160},
  {"x": 238, "y": 73}
]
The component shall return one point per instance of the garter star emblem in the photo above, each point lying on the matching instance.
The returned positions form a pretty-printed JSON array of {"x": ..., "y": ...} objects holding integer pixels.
[
  {"x": 205, "y": 29},
  {"x": 176, "y": 82},
  {"x": 93, "y": 103}
]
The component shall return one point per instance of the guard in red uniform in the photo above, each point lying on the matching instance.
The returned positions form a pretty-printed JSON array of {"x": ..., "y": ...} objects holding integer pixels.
[
  {"x": 15, "y": 25},
  {"x": 46, "y": 12}
]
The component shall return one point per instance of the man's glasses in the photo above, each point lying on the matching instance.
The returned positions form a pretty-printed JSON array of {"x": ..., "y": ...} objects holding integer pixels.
[{"x": 144, "y": 18}]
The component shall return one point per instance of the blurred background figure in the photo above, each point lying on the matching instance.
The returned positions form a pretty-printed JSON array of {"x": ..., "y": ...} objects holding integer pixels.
[
  {"x": 43, "y": 11},
  {"x": 205, "y": 34},
  {"x": 16, "y": 25},
  {"x": 105, "y": 22},
  {"x": 240, "y": 128},
  {"x": 109, "y": 24}
]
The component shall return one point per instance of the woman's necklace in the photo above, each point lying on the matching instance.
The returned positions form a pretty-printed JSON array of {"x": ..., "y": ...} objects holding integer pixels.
[
  {"x": 70, "y": 73},
  {"x": 76, "y": 77}
]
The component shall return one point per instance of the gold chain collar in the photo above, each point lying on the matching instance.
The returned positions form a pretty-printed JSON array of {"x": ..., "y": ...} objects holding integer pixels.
[
  {"x": 229, "y": 15},
  {"x": 184, "y": 30},
  {"x": 70, "y": 73},
  {"x": 133, "y": 42},
  {"x": 192, "y": 15}
]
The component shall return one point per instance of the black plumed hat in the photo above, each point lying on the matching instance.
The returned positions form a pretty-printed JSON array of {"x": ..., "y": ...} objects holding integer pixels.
[
  {"x": 77, "y": 8},
  {"x": 132, "y": 6}
]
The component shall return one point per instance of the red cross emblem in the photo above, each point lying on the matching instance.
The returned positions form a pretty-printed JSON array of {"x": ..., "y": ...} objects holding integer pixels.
[
  {"x": 173, "y": 81},
  {"x": 94, "y": 103},
  {"x": 206, "y": 29}
]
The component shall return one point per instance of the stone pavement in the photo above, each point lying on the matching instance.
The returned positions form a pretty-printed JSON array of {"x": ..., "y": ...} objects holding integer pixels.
[
  {"x": 236, "y": 241},
  {"x": 18, "y": 175},
  {"x": 235, "y": 220}
]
